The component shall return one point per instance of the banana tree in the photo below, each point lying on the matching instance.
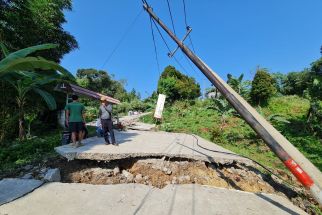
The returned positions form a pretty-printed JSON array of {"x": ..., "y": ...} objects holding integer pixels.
[{"x": 22, "y": 72}]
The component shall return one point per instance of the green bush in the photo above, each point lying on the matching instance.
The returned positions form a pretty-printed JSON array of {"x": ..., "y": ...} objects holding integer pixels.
[
  {"x": 17, "y": 153},
  {"x": 263, "y": 87},
  {"x": 177, "y": 86}
]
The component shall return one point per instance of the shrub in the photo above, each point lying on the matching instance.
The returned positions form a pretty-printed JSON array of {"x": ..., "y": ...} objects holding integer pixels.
[
  {"x": 177, "y": 86},
  {"x": 263, "y": 87}
]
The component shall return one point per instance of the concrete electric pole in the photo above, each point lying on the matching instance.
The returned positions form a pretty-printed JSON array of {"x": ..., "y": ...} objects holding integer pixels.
[{"x": 300, "y": 166}]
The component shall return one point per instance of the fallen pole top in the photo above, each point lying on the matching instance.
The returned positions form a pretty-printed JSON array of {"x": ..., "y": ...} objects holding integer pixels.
[{"x": 74, "y": 89}]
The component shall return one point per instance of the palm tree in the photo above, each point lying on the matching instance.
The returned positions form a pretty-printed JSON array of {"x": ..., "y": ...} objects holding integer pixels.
[
  {"x": 21, "y": 72},
  {"x": 240, "y": 86}
]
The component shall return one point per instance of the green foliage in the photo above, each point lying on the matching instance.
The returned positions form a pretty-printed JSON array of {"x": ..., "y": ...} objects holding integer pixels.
[
  {"x": 17, "y": 153},
  {"x": 279, "y": 80},
  {"x": 237, "y": 136},
  {"x": 19, "y": 61},
  {"x": 315, "y": 88},
  {"x": 296, "y": 83},
  {"x": 177, "y": 86},
  {"x": 314, "y": 118},
  {"x": 28, "y": 22},
  {"x": 18, "y": 70},
  {"x": 240, "y": 86},
  {"x": 101, "y": 81},
  {"x": 263, "y": 87},
  {"x": 135, "y": 105}
]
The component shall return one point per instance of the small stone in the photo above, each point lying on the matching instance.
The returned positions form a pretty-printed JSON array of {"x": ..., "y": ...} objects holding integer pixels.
[
  {"x": 174, "y": 180},
  {"x": 167, "y": 171},
  {"x": 138, "y": 178},
  {"x": 146, "y": 178},
  {"x": 27, "y": 167},
  {"x": 27, "y": 176},
  {"x": 180, "y": 179},
  {"x": 52, "y": 175},
  {"x": 129, "y": 176},
  {"x": 44, "y": 170},
  {"x": 41, "y": 175},
  {"x": 116, "y": 170}
]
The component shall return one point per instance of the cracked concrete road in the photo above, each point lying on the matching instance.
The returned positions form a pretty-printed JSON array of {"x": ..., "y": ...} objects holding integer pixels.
[
  {"x": 77, "y": 199},
  {"x": 147, "y": 144}
]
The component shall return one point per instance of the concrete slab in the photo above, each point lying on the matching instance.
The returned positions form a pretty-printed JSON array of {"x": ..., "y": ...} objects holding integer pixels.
[
  {"x": 141, "y": 126},
  {"x": 147, "y": 144},
  {"x": 77, "y": 199},
  {"x": 13, "y": 188}
]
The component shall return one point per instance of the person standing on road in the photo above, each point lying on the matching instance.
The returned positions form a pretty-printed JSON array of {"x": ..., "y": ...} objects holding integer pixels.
[
  {"x": 105, "y": 114},
  {"x": 75, "y": 119}
]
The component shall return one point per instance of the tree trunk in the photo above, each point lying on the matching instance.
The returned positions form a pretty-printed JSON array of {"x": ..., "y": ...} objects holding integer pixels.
[{"x": 22, "y": 133}]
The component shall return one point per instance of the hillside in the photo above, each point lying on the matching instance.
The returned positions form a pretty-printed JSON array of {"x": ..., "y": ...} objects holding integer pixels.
[{"x": 286, "y": 113}]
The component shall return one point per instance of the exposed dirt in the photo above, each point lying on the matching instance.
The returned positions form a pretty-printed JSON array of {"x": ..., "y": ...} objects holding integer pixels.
[{"x": 159, "y": 172}]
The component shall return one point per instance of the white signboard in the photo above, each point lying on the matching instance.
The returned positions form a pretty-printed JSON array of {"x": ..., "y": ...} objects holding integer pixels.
[{"x": 160, "y": 106}]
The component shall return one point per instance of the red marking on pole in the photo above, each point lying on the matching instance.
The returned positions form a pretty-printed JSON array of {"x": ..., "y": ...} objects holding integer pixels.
[{"x": 299, "y": 173}]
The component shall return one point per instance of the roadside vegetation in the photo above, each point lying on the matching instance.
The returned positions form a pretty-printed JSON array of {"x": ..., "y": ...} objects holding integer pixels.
[
  {"x": 32, "y": 43},
  {"x": 290, "y": 102},
  {"x": 225, "y": 128}
]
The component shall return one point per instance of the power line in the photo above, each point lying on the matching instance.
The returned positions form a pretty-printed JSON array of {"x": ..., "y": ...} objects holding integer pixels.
[
  {"x": 155, "y": 46},
  {"x": 165, "y": 42},
  {"x": 185, "y": 20},
  {"x": 168, "y": 47},
  {"x": 122, "y": 38},
  {"x": 174, "y": 30}
]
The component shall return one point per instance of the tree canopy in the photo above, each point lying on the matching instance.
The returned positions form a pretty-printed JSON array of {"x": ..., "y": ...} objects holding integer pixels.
[
  {"x": 101, "y": 81},
  {"x": 263, "y": 86},
  {"x": 25, "y": 23},
  {"x": 177, "y": 86}
]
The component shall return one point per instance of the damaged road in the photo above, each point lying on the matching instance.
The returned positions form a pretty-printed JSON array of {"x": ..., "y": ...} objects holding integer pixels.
[{"x": 136, "y": 144}]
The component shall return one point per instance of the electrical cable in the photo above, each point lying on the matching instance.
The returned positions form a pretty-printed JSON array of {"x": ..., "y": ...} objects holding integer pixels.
[
  {"x": 174, "y": 30},
  {"x": 127, "y": 31},
  {"x": 168, "y": 47},
  {"x": 227, "y": 153},
  {"x": 155, "y": 46},
  {"x": 165, "y": 42},
  {"x": 185, "y": 20}
]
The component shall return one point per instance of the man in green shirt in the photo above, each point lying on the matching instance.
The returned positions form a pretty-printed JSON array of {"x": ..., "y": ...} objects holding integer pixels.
[{"x": 75, "y": 119}]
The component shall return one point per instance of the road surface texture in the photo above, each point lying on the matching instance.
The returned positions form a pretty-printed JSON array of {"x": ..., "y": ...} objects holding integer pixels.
[
  {"x": 13, "y": 188},
  {"x": 136, "y": 144},
  {"x": 77, "y": 199}
]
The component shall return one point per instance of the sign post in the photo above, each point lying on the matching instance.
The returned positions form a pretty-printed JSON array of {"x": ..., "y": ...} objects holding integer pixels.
[{"x": 159, "y": 107}]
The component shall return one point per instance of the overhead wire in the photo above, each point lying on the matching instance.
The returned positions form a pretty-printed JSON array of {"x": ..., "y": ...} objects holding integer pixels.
[
  {"x": 168, "y": 47},
  {"x": 185, "y": 20},
  {"x": 155, "y": 46},
  {"x": 126, "y": 32},
  {"x": 197, "y": 141},
  {"x": 204, "y": 80},
  {"x": 169, "y": 8}
]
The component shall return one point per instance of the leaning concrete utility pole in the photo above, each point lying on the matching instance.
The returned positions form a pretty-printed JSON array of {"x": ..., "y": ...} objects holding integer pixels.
[{"x": 301, "y": 167}]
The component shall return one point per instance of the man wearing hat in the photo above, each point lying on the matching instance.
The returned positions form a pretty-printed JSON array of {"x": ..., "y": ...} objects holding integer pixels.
[{"x": 105, "y": 114}]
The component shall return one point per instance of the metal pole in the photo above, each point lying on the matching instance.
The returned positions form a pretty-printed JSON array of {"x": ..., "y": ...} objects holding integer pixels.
[{"x": 267, "y": 132}]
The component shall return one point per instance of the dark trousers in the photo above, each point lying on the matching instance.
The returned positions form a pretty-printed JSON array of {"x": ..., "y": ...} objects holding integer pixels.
[{"x": 107, "y": 126}]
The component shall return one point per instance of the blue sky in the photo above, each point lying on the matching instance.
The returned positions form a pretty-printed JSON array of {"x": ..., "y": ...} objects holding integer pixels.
[{"x": 231, "y": 36}]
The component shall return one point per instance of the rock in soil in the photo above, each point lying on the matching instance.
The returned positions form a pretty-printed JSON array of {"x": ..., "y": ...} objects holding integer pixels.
[
  {"x": 52, "y": 175},
  {"x": 116, "y": 170},
  {"x": 129, "y": 176},
  {"x": 27, "y": 176}
]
